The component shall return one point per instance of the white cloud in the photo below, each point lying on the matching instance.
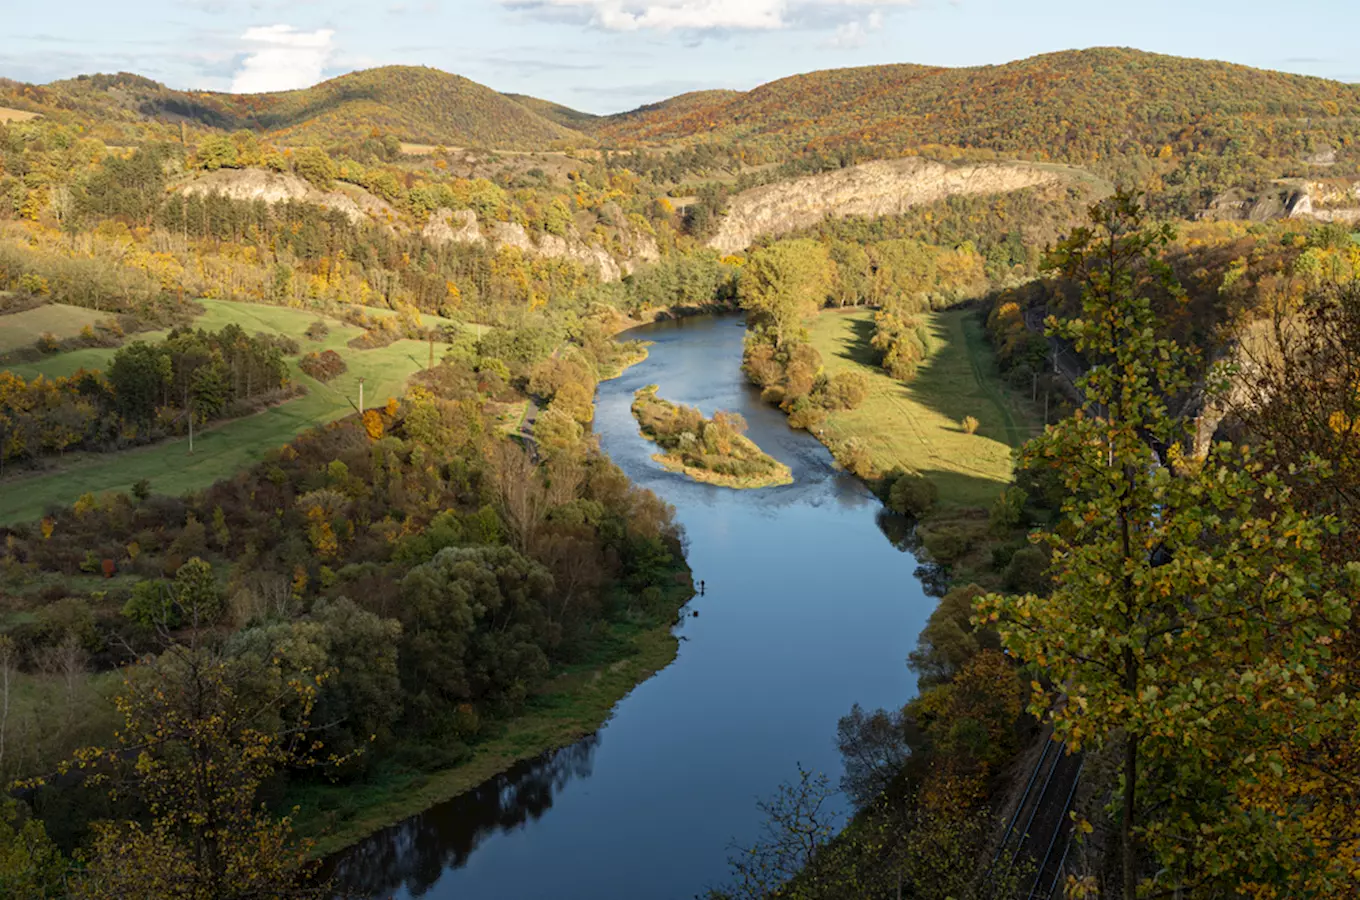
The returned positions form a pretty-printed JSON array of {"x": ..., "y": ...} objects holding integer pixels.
[
  {"x": 711, "y": 15},
  {"x": 855, "y": 33},
  {"x": 282, "y": 58}
]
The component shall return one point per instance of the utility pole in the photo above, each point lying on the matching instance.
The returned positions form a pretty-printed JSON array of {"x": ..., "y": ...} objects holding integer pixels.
[
  {"x": 191, "y": 429},
  {"x": 361, "y": 396}
]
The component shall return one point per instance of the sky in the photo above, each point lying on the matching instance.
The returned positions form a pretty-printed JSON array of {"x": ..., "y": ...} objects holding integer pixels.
[{"x": 606, "y": 56}]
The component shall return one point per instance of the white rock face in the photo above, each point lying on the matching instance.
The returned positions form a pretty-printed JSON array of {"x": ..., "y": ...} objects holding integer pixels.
[
  {"x": 355, "y": 203},
  {"x": 884, "y": 188},
  {"x": 550, "y": 246},
  {"x": 446, "y": 226}
]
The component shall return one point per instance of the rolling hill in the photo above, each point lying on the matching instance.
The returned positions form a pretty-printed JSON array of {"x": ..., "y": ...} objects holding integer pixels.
[
  {"x": 1077, "y": 106},
  {"x": 417, "y": 104}
]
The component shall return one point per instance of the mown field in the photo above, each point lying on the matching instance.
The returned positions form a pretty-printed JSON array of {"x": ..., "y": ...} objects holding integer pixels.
[
  {"x": 22, "y": 329},
  {"x": 226, "y": 447},
  {"x": 917, "y": 426}
]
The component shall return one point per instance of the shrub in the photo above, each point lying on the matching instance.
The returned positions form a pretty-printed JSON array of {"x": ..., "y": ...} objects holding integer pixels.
[
  {"x": 969, "y": 425},
  {"x": 1009, "y": 509},
  {"x": 854, "y": 457},
  {"x": 947, "y": 543},
  {"x": 913, "y": 495},
  {"x": 323, "y": 366},
  {"x": 846, "y": 390},
  {"x": 806, "y": 415},
  {"x": 48, "y": 343},
  {"x": 318, "y": 330},
  {"x": 1027, "y": 572}
]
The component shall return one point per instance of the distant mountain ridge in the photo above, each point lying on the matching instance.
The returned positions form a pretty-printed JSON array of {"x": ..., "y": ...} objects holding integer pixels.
[
  {"x": 1074, "y": 105},
  {"x": 1078, "y": 106},
  {"x": 418, "y": 104}
]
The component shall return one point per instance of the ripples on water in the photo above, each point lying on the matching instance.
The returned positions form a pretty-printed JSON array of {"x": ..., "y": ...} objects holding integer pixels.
[{"x": 812, "y": 604}]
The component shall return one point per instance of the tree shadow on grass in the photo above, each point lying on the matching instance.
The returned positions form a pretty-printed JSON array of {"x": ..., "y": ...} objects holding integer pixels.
[
  {"x": 857, "y": 346},
  {"x": 961, "y": 378}
]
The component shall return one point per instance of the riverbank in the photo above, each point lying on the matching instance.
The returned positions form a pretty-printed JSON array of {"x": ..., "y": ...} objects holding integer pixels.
[{"x": 576, "y": 703}]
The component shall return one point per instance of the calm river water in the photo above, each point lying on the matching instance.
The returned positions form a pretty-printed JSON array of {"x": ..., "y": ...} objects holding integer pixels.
[{"x": 809, "y": 609}]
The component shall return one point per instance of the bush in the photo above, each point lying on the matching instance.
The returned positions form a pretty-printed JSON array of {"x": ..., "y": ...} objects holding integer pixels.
[
  {"x": 969, "y": 425},
  {"x": 1027, "y": 572},
  {"x": 913, "y": 495},
  {"x": 323, "y": 366},
  {"x": 846, "y": 390},
  {"x": 318, "y": 330},
  {"x": 806, "y": 415},
  {"x": 854, "y": 457}
]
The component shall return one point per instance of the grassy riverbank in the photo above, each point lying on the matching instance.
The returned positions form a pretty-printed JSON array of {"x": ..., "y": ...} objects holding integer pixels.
[
  {"x": 918, "y": 426},
  {"x": 713, "y": 451},
  {"x": 574, "y": 704}
]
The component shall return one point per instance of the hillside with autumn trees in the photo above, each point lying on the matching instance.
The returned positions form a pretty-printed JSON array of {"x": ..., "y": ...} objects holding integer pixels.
[{"x": 430, "y": 572}]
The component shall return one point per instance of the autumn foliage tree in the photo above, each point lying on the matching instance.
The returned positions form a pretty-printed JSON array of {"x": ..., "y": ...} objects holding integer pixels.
[
  {"x": 1189, "y": 619},
  {"x": 201, "y": 734}
]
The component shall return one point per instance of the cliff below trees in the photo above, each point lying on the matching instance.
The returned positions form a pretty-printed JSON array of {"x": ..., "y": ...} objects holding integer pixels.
[{"x": 873, "y": 189}]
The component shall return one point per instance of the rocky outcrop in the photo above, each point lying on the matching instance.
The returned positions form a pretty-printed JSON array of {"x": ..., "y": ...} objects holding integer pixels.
[
  {"x": 355, "y": 203},
  {"x": 873, "y": 189},
  {"x": 445, "y": 226},
  {"x": 550, "y": 246}
]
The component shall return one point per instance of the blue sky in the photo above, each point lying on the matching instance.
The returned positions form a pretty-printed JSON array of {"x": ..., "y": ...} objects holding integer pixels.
[{"x": 611, "y": 55}]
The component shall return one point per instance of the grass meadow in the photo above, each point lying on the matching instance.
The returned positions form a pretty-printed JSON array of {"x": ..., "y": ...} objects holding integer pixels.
[
  {"x": 917, "y": 426},
  {"x": 225, "y": 447}
]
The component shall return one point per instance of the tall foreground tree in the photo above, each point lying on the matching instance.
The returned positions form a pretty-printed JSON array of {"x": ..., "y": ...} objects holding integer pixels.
[
  {"x": 1190, "y": 617},
  {"x": 201, "y": 734},
  {"x": 1299, "y": 393}
]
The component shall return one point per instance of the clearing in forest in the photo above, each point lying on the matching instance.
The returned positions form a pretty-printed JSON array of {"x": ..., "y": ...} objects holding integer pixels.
[
  {"x": 224, "y": 447},
  {"x": 918, "y": 426},
  {"x": 22, "y": 329}
]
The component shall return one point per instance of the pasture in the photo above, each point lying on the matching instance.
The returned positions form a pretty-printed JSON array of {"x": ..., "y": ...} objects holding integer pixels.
[
  {"x": 917, "y": 426},
  {"x": 22, "y": 329},
  {"x": 226, "y": 447}
]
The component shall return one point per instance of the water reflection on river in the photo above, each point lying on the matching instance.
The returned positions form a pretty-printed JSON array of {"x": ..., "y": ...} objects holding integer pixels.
[{"x": 809, "y": 608}]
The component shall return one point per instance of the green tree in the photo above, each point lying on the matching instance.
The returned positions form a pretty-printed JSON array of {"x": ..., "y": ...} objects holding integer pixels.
[
  {"x": 217, "y": 152},
  {"x": 313, "y": 164},
  {"x": 784, "y": 283},
  {"x": 476, "y": 630},
  {"x": 31, "y": 866},
  {"x": 1186, "y": 613},
  {"x": 139, "y": 376}
]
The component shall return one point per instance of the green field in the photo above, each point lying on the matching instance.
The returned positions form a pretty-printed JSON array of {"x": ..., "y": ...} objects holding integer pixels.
[
  {"x": 916, "y": 426},
  {"x": 22, "y": 329},
  {"x": 229, "y": 446}
]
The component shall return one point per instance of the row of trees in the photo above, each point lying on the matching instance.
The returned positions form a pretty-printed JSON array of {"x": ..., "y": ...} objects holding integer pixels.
[{"x": 147, "y": 391}]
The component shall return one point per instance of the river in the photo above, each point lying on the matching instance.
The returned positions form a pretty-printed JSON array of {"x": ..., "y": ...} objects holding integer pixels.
[{"x": 808, "y": 609}]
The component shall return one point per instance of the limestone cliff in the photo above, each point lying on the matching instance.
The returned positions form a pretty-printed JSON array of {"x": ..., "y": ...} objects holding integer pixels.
[
  {"x": 873, "y": 189},
  {"x": 354, "y": 202},
  {"x": 448, "y": 227}
]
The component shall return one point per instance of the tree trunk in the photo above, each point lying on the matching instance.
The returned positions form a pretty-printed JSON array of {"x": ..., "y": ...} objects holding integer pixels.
[{"x": 1126, "y": 831}]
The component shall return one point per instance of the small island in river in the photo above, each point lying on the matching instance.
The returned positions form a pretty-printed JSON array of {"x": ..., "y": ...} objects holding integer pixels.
[{"x": 714, "y": 451}]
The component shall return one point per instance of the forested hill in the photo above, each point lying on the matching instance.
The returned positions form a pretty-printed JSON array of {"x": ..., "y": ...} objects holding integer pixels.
[
  {"x": 1079, "y": 106},
  {"x": 417, "y": 104}
]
